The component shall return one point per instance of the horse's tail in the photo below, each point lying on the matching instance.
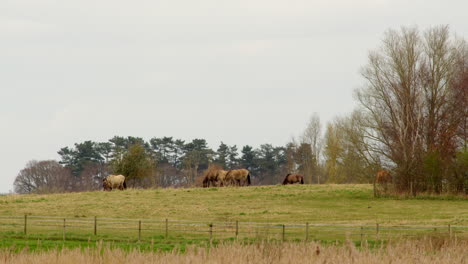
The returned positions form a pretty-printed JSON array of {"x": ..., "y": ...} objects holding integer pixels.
[
  {"x": 125, "y": 184},
  {"x": 248, "y": 179},
  {"x": 205, "y": 182},
  {"x": 302, "y": 180}
]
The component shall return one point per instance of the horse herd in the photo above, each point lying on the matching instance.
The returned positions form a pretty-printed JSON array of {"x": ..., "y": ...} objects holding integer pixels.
[{"x": 239, "y": 177}]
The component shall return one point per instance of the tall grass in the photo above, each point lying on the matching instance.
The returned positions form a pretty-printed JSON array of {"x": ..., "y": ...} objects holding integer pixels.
[{"x": 427, "y": 250}]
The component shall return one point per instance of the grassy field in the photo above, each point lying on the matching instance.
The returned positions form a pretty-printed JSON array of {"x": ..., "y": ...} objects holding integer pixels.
[
  {"x": 316, "y": 204},
  {"x": 334, "y": 205}
]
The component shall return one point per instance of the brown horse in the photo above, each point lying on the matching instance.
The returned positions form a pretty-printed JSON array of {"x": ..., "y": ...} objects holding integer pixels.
[
  {"x": 238, "y": 177},
  {"x": 214, "y": 177},
  {"x": 383, "y": 177},
  {"x": 210, "y": 178},
  {"x": 382, "y": 183},
  {"x": 220, "y": 177},
  {"x": 114, "y": 182},
  {"x": 293, "y": 178}
]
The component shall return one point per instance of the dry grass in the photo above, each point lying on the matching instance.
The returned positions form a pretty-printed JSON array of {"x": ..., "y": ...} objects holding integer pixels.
[{"x": 428, "y": 250}]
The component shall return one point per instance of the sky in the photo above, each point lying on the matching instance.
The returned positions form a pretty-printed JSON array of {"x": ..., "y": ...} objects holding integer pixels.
[{"x": 245, "y": 72}]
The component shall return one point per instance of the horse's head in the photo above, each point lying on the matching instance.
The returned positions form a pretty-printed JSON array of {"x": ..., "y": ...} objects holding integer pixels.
[
  {"x": 106, "y": 185},
  {"x": 301, "y": 179},
  {"x": 221, "y": 175},
  {"x": 205, "y": 182},
  {"x": 286, "y": 180}
]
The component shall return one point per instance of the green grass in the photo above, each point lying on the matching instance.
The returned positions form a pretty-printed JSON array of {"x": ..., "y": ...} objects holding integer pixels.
[
  {"x": 34, "y": 243},
  {"x": 316, "y": 204},
  {"x": 18, "y": 244}
]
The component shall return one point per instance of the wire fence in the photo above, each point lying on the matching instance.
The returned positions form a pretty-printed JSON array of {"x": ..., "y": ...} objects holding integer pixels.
[{"x": 119, "y": 229}]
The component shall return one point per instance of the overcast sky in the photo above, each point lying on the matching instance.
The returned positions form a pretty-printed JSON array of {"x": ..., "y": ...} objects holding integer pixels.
[{"x": 238, "y": 71}]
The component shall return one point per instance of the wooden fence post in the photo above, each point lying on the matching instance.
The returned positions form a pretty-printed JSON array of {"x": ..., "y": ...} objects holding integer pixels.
[
  {"x": 362, "y": 234},
  {"x": 211, "y": 233},
  {"x": 64, "y": 229},
  {"x": 284, "y": 227},
  {"x": 25, "y": 224},
  {"x": 307, "y": 232},
  {"x": 167, "y": 228},
  {"x": 377, "y": 232},
  {"x": 267, "y": 236},
  {"x": 95, "y": 225},
  {"x": 139, "y": 230},
  {"x": 237, "y": 228}
]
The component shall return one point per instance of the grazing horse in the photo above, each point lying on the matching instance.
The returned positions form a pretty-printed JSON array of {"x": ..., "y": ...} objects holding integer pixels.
[
  {"x": 383, "y": 177},
  {"x": 238, "y": 177},
  {"x": 382, "y": 182},
  {"x": 214, "y": 177},
  {"x": 114, "y": 181},
  {"x": 210, "y": 177},
  {"x": 220, "y": 177},
  {"x": 293, "y": 178}
]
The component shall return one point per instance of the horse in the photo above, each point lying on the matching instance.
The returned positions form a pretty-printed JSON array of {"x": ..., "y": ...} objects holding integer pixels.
[
  {"x": 382, "y": 182},
  {"x": 114, "y": 181},
  {"x": 214, "y": 176},
  {"x": 220, "y": 177},
  {"x": 210, "y": 177},
  {"x": 238, "y": 177},
  {"x": 293, "y": 178},
  {"x": 383, "y": 177}
]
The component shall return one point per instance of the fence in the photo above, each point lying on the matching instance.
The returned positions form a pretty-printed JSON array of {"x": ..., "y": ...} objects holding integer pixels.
[{"x": 117, "y": 229}]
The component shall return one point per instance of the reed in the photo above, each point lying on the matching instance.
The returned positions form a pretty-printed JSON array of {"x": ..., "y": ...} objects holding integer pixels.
[{"x": 425, "y": 250}]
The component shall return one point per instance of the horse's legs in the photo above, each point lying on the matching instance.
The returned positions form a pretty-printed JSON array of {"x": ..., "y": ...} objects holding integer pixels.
[{"x": 219, "y": 183}]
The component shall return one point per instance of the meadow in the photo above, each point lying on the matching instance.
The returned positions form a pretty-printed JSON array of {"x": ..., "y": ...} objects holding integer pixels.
[
  {"x": 119, "y": 214},
  {"x": 316, "y": 204}
]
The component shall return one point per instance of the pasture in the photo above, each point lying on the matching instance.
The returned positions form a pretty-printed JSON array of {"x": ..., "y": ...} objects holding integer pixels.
[
  {"x": 189, "y": 211},
  {"x": 316, "y": 204}
]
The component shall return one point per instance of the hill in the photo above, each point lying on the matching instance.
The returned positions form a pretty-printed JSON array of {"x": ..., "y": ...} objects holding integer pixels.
[{"x": 350, "y": 204}]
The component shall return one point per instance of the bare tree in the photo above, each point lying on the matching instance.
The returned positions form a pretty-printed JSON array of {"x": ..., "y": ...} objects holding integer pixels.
[
  {"x": 333, "y": 153},
  {"x": 407, "y": 97},
  {"x": 305, "y": 161},
  {"x": 460, "y": 93},
  {"x": 91, "y": 177},
  {"x": 46, "y": 176},
  {"x": 312, "y": 136},
  {"x": 347, "y": 158}
]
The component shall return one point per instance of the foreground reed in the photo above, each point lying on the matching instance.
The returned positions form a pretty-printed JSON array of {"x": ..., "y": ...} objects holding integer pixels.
[{"x": 428, "y": 250}]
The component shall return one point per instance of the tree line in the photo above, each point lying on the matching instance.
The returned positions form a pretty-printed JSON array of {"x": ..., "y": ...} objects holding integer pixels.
[
  {"x": 411, "y": 119},
  {"x": 161, "y": 162}
]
